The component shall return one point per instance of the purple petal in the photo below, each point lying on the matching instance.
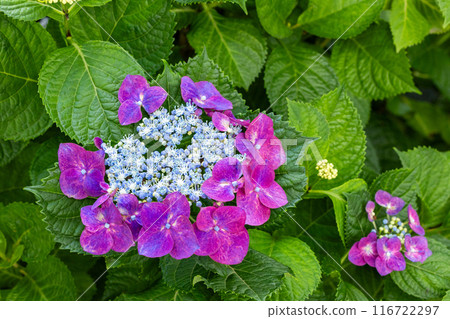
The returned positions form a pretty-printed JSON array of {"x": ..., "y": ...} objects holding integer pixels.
[
  {"x": 370, "y": 207},
  {"x": 154, "y": 216},
  {"x": 111, "y": 212},
  {"x": 221, "y": 121},
  {"x": 129, "y": 112},
  {"x": 396, "y": 262},
  {"x": 127, "y": 204},
  {"x": 92, "y": 182},
  {"x": 218, "y": 103},
  {"x": 207, "y": 89},
  {"x": 395, "y": 206},
  {"x": 185, "y": 241},
  {"x": 273, "y": 196},
  {"x": 102, "y": 199},
  {"x": 220, "y": 191},
  {"x": 233, "y": 248},
  {"x": 132, "y": 87},
  {"x": 355, "y": 256},
  {"x": 263, "y": 176},
  {"x": 382, "y": 198},
  {"x": 97, "y": 243},
  {"x": 368, "y": 247},
  {"x": 229, "y": 218},
  {"x": 154, "y": 97},
  {"x": 188, "y": 89},
  {"x": 256, "y": 213},
  {"x": 204, "y": 219},
  {"x": 414, "y": 221},
  {"x": 273, "y": 152},
  {"x": 416, "y": 248},
  {"x": 178, "y": 205},
  {"x": 71, "y": 183},
  {"x": 135, "y": 228},
  {"x": 260, "y": 128},
  {"x": 154, "y": 244},
  {"x": 122, "y": 237},
  {"x": 92, "y": 219},
  {"x": 245, "y": 146},
  {"x": 98, "y": 143},
  {"x": 207, "y": 240},
  {"x": 227, "y": 169},
  {"x": 382, "y": 267},
  {"x": 70, "y": 156},
  {"x": 393, "y": 244}
]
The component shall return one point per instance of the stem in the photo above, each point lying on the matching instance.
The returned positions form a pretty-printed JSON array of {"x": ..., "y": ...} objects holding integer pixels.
[{"x": 344, "y": 257}]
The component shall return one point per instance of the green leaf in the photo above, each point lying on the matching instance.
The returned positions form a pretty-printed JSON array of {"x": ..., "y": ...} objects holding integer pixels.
[
  {"x": 431, "y": 169},
  {"x": 62, "y": 214},
  {"x": 399, "y": 182},
  {"x": 161, "y": 292},
  {"x": 202, "y": 68},
  {"x": 9, "y": 150},
  {"x": 296, "y": 72},
  {"x": 78, "y": 69},
  {"x": 45, "y": 158},
  {"x": 143, "y": 28},
  {"x": 447, "y": 296},
  {"x": 241, "y": 3},
  {"x": 444, "y": 5},
  {"x": 356, "y": 224},
  {"x": 179, "y": 274},
  {"x": 22, "y": 115},
  {"x": 335, "y": 120},
  {"x": 236, "y": 45},
  {"x": 13, "y": 177},
  {"x": 295, "y": 254},
  {"x": 273, "y": 15},
  {"x": 428, "y": 280},
  {"x": 348, "y": 292},
  {"x": 339, "y": 19},
  {"x": 23, "y": 224},
  {"x": 28, "y": 10},
  {"x": 369, "y": 66},
  {"x": 48, "y": 280},
  {"x": 2, "y": 244},
  {"x": 408, "y": 25},
  {"x": 256, "y": 277}
]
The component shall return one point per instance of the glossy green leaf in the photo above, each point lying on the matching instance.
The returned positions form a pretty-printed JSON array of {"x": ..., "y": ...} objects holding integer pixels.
[
  {"x": 236, "y": 45},
  {"x": 348, "y": 292},
  {"x": 161, "y": 292},
  {"x": 273, "y": 15},
  {"x": 180, "y": 274},
  {"x": 444, "y": 5},
  {"x": 241, "y": 3},
  {"x": 9, "y": 150},
  {"x": 79, "y": 69}
]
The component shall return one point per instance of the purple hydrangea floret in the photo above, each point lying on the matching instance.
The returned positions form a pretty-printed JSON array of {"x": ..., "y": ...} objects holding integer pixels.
[
  {"x": 108, "y": 193},
  {"x": 166, "y": 228},
  {"x": 389, "y": 256},
  {"x": 260, "y": 195},
  {"x": 417, "y": 248},
  {"x": 392, "y": 204},
  {"x": 134, "y": 93},
  {"x": 130, "y": 208},
  {"x": 364, "y": 251},
  {"x": 81, "y": 171},
  {"x": 260, "y": 144},
  {"x": 370, "y": 207},
  {"x": 414, "y": 221},
  {"x": 225, "y": 180},
  {"x": 221, "y": 234},
  {"x": 105, "y": 230},
  {"x": 204, "y": 95},
  {"x": 223, "y": 120}
]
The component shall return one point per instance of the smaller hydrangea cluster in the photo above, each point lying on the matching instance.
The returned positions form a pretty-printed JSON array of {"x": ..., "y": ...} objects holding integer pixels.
[
  {"x": 385, "y": 250},
  {"x": 326, "y": 169},
  {"x": 176, "y": 159}
]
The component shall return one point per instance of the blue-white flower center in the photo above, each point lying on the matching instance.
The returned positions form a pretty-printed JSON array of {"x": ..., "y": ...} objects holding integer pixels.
[
  {"x": 235, "y": 183},
  {"x": 167, "y": 225},
  {"x": 257, "y": 146},
  {"x": 216, "y": 228},
  {"x": 83, "y": 171},
  {"x": 133, "y": 217},
  {"x": 257, "y": 189},
  {"x": 203, "y": 97},
  {"x": 107, "y": 225},
  {"x": 139, "y": 103}
]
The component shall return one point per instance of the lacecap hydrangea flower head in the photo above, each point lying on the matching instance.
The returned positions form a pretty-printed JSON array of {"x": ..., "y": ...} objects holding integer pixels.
[
  {"x": 387, "y": 245},
  {"x": 147, "y": 184}
]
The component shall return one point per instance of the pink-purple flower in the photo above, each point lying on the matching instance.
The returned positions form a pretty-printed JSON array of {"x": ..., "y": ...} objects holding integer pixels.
[
  {"x": 225, "y": 180},
  {"x": 223, "y": 120},
  {"x": 130, "y": 208},
  {"x": 260, "y": 144},
  {"x": 260, "y": 195},
  {"x": 416, "y": 248},
  {"x": 370, "y": 207},
  {"x": 105, "y": 230},
  {"x": 221, "y": 234},
  {"x": 414, "y": 221},
  {"x": 134, "y": 93},
  {"x": 204, "y": 95},
  {"x": 166, "y": 228},
  {"x": 392, "y": 204},
  {"x": 81, "y": 171},
  {"x": 364, "y": 251},
  {"x": 389, "y": 256}
]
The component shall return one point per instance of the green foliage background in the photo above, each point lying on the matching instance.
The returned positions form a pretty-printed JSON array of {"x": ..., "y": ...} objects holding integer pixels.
[{"x": 362, "y": 83}]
